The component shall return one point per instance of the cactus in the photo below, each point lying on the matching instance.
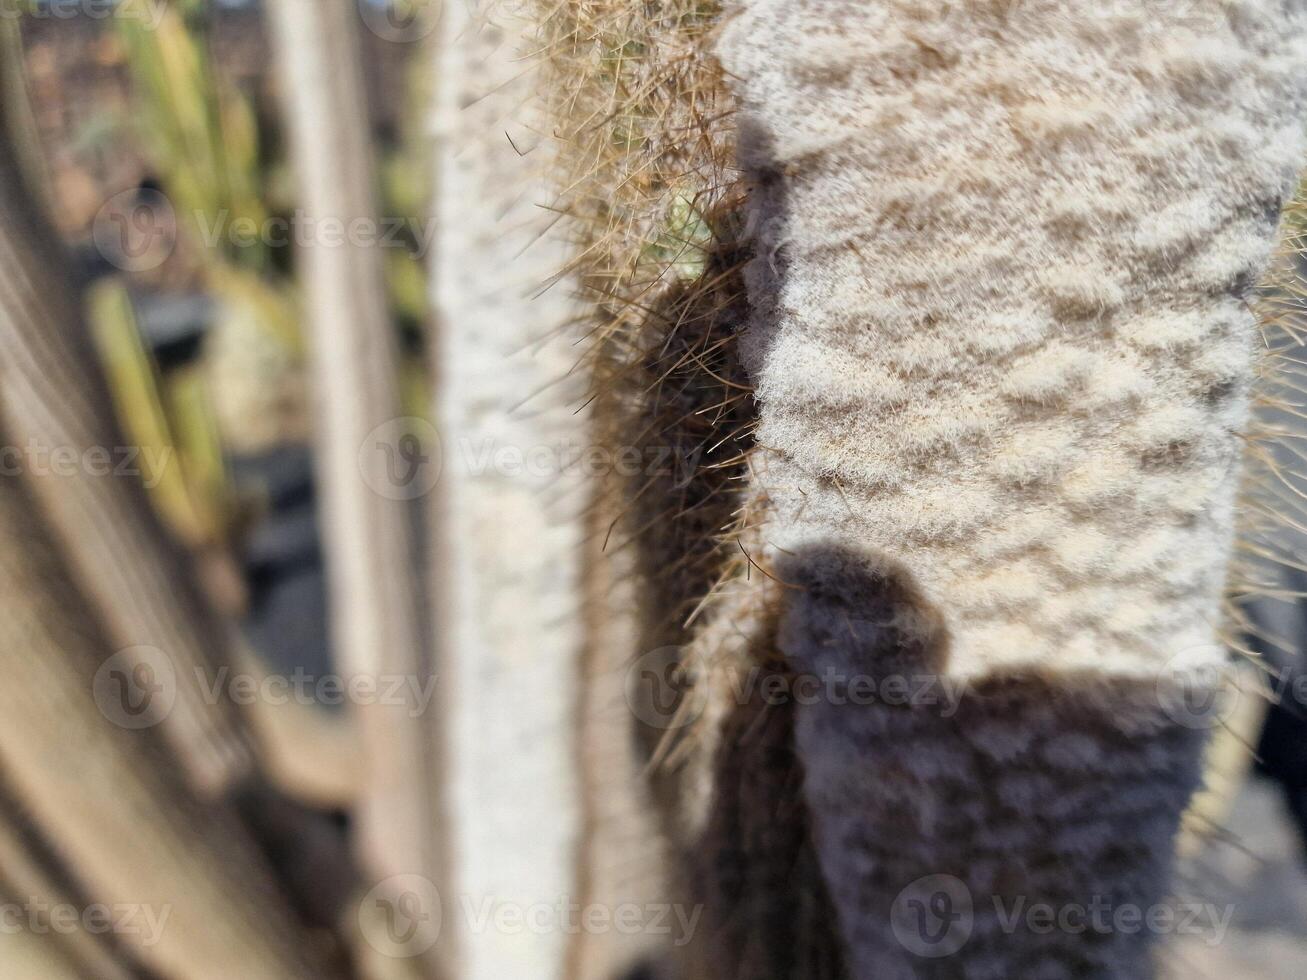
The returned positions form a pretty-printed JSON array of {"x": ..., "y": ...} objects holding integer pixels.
[{"x": 995, "y": 359}]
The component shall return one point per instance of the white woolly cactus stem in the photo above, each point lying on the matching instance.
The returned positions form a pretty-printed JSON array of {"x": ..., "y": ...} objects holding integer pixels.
[
  {"x": 510, "y": 521},
  {"x": 1002, "y": 354}
]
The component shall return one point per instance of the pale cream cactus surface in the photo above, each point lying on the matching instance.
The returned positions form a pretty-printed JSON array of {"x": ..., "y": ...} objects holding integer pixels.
[
  {"x": 963, "y": 291},
  {"x": 1002, "y": 351},
  {"x": 1003, "y": 337}
]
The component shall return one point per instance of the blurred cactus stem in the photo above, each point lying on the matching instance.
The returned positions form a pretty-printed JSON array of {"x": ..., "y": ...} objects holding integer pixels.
[
  {"x": 56, "y": 405},
  {"x": 102, "y": 785},
  {"x": 354, "y": 373}
]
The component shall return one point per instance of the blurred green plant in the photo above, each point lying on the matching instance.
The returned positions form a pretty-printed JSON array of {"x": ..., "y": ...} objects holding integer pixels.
[
  {"x": 168, "y": 419},
  {"x": 199, "y": 134},
  {"x": 202, "y": 141},
  {"x": 202, "y": 133}
]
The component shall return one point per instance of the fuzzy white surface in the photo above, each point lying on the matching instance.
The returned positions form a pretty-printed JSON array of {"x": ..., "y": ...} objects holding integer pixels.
[
  {"x": 1002, "y": 353},
  {"x": 1000, "y": 333}
]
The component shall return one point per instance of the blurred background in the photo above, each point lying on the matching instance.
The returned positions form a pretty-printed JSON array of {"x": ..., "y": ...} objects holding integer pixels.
[
  {"x": 147, "y": 160},
  {"x": 155, "y": 142}
]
